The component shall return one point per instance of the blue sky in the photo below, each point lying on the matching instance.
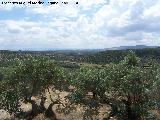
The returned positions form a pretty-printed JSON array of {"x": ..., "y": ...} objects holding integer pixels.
[{"x": 89, "y": 24}]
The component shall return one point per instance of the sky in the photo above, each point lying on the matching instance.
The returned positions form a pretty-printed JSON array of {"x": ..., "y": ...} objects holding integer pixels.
[{"x": 90, "y": 24}]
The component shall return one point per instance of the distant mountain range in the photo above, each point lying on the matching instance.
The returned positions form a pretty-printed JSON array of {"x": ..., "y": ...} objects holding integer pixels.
[{"x": 131, "y": 47}]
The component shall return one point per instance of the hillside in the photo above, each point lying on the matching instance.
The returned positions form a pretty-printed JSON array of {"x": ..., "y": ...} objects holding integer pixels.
[
  {"x": 30, "y": 78},
  {"x": 115, "y": 56},
  {"x": 84, "y": 56}
]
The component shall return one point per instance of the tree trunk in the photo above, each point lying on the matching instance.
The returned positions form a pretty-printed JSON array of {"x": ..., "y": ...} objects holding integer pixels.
[
  {"x": 131, "y": 114},
  {"x": 114, "y": 108},
  {"x": 42, "y": 107},
  {"x": 35, "y": 110},
  {"x": 50, "y": 113},
  {"x": 94, "y": 95}
]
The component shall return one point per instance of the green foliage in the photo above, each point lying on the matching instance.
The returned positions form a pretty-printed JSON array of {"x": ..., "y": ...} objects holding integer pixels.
[
  {"x": 1, "y": 76},
  {"x": 37, "y": 74},
  {"x": 9, "y": 96},
  {"x": 30, "y": 77},
  {"x": 128, "y": 84},
  {"x": 131, "y": 87},
  {"x": 115, "y": 56}
]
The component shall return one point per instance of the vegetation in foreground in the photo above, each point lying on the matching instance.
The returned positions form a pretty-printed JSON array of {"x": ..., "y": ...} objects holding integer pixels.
[{"x": 130, "y": 87}]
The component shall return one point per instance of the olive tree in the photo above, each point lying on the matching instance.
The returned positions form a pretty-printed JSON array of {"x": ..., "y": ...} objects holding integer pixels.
[
  {"x": 126, "y": 87},
  {"x": 30, "y": 78},
  {"x": 133, "y": 85},
  {"x": 90, "y": 85}
]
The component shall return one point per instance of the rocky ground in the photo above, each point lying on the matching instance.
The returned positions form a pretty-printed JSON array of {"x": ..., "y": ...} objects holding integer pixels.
[
  {"x": 76, "y": 114},
  {"x": 4, "y": 115}
]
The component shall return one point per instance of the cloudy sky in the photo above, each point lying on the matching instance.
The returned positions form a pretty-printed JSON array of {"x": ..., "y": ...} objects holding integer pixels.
[{"x": 89, "y": 24}]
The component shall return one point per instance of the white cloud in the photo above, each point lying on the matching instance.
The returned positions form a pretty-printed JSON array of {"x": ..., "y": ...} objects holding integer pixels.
[{"x": 121, "y": 22}]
